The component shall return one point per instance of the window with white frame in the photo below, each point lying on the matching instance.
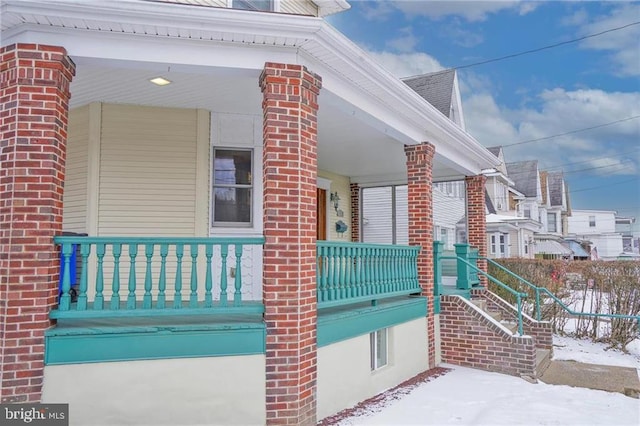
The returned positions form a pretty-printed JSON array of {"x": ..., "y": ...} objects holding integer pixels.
[
  {"x": 499, "y": 245},
  {"x": 503, "y": 245},
  {"x": 260, "y": 5},
  {"x": 232, "y": 187},
  {"x": 379, "y": 348},
  {"x": 551, "y": 222}
]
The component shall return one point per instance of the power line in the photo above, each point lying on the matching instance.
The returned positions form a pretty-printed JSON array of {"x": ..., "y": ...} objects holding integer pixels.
[
  {"x": 599, "y": 167},
  {"x": 550, "y": 46},
  {"x": 571, "y": 132},
  {"x": 560, "y": 166},
  {"x": 604, "y": 186}
]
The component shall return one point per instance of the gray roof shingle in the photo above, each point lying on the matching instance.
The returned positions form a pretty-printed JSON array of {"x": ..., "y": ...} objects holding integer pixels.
[
  {"x": 555, "y": 188},
  {"x": 525, "y": 176},
  {"x": 495, "y": 150},
  {"x": 436, "y": 88}
]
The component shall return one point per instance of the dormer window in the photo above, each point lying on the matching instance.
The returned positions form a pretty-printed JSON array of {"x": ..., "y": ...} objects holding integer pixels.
[{"x": 260, "y": 5}]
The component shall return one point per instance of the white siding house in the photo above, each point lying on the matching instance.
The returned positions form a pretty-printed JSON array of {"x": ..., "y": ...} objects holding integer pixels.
[{"x": 599, "y": 228}]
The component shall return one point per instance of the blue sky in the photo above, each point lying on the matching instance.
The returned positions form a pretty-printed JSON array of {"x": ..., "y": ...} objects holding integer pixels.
[{"x": 571, "y": 87}]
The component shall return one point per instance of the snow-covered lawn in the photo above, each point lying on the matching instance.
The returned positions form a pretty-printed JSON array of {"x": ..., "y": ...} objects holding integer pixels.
[{"x": 470, "y": 397}]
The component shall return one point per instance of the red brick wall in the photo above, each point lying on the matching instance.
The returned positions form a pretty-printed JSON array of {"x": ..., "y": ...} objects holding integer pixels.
[
  {"x": 419, "y": 177},
  {"x": 34, "y": 96},
  {"x": 476, "y": 219},
  {"x": 355, "y": 212},
  {"x": 471, "y": 340},
  {"x": 541, "y": 331},
  {"x": 290, "y": 106}
]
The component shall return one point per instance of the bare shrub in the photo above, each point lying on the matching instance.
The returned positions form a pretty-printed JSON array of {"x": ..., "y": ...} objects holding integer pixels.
[{"x": 599, "y": 287}]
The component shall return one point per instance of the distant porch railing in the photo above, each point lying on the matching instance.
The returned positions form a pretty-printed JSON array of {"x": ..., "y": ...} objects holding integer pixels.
[
  {"x": 356, "y": 272},
  {"x": 147, "y": 276}
]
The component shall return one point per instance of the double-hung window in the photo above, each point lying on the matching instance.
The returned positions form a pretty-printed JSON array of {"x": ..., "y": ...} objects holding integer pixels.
[{"x": 232, "y": 187}]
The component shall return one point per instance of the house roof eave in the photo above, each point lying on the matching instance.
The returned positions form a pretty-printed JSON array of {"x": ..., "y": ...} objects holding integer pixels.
[{"x": 311, "y": 40}]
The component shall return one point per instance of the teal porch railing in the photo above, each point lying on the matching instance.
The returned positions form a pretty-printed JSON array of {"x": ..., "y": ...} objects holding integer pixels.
[
  {"x": 356, "y": 272},
  {"x": 467, "y": 274},
  {"x": 538, "y": 290},
  {"x": 146, "y": 276}
]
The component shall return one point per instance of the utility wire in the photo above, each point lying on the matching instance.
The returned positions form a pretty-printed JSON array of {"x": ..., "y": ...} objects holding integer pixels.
[
  {"x": 560, "y": 166},
  {"x": 571, "y": 132},
  {"x": 550, "y": 46},
  {"x": 605, "y": 186},
  {"x": 526, "y": 52}
]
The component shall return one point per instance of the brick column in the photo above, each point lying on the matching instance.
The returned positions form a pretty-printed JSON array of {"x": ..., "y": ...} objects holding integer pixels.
[
  {"x": 476, "y": 219},
  {"x": 290, "y": 104},
  {"x": 34, "y": 105},
  {"x": 355, "y": 212},
  {"x": 419, "y": 169}
]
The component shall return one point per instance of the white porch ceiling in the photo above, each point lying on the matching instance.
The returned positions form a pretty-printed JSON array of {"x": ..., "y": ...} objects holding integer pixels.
[{"x": 347, "y": 143}]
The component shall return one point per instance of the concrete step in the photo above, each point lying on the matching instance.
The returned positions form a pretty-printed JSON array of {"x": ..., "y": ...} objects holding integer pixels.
[
  {"x": 512, "y": 326},
  {"x": 480, "y": 303},
  {"x": 543, "y": 361},
  {"x": 608, "y": 378},
  {"x": 496, "y": 315}
]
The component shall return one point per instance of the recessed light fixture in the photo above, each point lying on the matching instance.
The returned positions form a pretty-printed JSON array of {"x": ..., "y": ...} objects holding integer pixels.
[{"x": 160, "y": 81}]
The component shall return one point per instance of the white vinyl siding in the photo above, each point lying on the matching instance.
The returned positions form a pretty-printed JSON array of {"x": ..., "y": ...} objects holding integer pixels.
[
  {"x": 147, "y": 171},
  {"x": 298, "y": 7},
  {"x": 377, "y": 215},
  {"x": 74, "y": 216}
]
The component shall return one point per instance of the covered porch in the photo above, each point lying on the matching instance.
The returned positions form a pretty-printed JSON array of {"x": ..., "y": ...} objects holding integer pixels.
[{"x": 201, "y": 198}]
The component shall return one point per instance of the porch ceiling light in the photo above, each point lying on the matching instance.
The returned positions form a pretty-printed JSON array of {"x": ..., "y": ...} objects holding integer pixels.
[{"x": 160, "y": 81}]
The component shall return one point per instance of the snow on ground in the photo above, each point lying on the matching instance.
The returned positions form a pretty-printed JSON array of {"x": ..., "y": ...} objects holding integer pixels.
[
  {"x": 568, "y": 348},
  {"x": 471, "y": 397}
]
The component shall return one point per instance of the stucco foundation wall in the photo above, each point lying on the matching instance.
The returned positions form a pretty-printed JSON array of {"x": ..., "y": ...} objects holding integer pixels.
[
  {"x": 211, "y": 391},
  {"x": 344, "y": 368}
]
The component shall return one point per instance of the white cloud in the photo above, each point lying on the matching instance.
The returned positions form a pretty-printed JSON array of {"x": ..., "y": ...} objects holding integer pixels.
[
  {"x": 376, "y": 10},
  {"x": 622, "y": 44},
  {"x": 407, "y": 64},
  {"x": 562, "y": 111},
  {"x": 607, "y": 150},
  {"x": 406, "y": 42},
  {"x": 456, "y": 31},
  {"x": 471, "y": 10}
]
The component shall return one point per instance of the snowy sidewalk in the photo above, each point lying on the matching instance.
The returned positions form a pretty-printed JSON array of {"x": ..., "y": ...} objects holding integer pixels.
[{"x": 465, "y": 396}]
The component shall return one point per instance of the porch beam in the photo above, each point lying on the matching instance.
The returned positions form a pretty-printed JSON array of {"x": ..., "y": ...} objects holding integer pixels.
[
  {"x": 419, "y": 178},
  {"x": 34, "y": 110},
  {"x": 290, "y": 167}
]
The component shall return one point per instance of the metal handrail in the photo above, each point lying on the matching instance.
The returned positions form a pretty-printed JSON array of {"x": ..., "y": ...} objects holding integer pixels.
[
  {"x": 519, "y": 296},
  {"x": 559, "y": 301}
]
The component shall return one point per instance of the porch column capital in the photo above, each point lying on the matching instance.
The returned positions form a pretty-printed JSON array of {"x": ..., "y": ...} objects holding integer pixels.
[
  {"x": 34, "y": 89},
  {"x": 290, "y": 132},
  {"x": 420, "y": 200}
]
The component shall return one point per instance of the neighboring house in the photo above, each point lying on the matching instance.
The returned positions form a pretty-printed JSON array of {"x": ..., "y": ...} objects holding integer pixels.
[
  {"x": 508, "y": 234},
  {"x": 630, "y": 238},
  {"x": 598, "y": 227},
  {"x": 528, "y": 200},
  {"x": 385, "y": 215},
  {"x": 440, "y": 89},
  {"x": 558, "y": 208},
  {"x": 216, "y": 157},
  {"x": 384, "y": 209}
]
